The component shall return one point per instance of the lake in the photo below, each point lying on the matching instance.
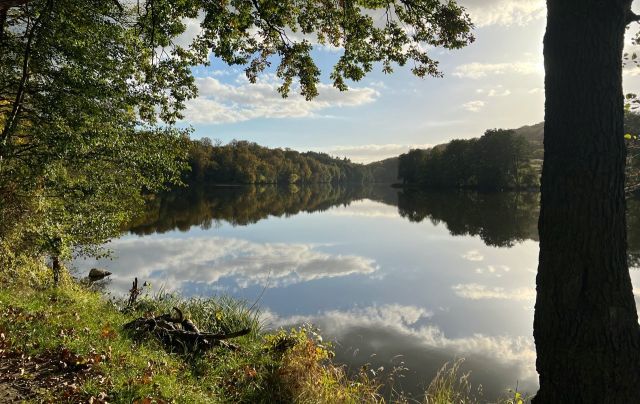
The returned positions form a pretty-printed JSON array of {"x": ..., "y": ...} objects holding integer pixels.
[{"x": 394, "y": 277}]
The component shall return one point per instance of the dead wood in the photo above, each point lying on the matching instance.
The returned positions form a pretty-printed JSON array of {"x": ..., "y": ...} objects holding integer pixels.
[{"x": 179, "y": 334}]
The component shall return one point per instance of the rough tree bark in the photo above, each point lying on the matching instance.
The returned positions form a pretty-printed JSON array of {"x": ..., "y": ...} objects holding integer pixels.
[{"x": 586, "y": 326}]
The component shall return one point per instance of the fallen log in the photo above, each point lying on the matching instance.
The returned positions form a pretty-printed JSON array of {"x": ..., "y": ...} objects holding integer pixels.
[{"x": 179, "y": 334}]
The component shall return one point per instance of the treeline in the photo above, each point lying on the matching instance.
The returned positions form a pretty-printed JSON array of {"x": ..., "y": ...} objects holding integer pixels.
[
  {"x": 242, "y": 162},
  {"x": 500, "y": 159}
]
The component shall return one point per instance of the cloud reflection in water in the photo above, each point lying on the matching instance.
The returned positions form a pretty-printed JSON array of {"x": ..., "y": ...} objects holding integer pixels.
[
  {"x": 175, "y": 261},
  {"x": 378, "y": 334}
]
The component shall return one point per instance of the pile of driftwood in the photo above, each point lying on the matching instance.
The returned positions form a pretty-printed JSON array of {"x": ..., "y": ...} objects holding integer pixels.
[{"x": 179, "y": 334}]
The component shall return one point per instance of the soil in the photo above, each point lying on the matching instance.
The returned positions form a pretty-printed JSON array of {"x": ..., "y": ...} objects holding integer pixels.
[{"x": 48, "y": 377}]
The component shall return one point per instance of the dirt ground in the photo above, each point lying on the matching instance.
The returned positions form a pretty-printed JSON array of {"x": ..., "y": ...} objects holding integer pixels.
[{"x": 49, "y": 377}]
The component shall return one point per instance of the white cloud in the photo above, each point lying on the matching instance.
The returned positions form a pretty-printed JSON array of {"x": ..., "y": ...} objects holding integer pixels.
[
  {"x": 497, "y": 270},
  {"x": 477, "y": 70},
  {"x": 192, "y": 30},
  {"x": 175, "y": 261},
  {"x": 498, "y": 91},
  {"x": 631, "y": 70},
  {"x": 220, "y": 102},
  {"x": 475, "y": 291},
  {"x": 537, "y": 90},
  {"x": 378, "y": 84},
  {"x": 504, "y": 12},
  {"x": 473, "y": 255},
  {"x": 371, "y": 152},
  {"x": 473, "y": 106}
]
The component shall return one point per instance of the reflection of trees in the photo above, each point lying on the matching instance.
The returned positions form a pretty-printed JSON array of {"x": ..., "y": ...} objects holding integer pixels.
[
  {"x": 500, "y": 219},
  {"x": 238, "y": 205}
]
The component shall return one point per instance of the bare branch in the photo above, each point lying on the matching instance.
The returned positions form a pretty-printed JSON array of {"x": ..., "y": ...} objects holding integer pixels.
[{"x": 632, "y": 17}]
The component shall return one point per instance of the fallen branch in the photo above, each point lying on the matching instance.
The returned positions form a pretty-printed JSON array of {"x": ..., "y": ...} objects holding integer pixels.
[
  {"x": 180, "y": 334},
  {"x": 134, "y": 292}
]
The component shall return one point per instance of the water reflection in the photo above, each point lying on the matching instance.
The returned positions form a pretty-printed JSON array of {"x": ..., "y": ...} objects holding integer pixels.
[
  {"x": 500, "y": 219},
  {"x": 384, "y": 272},
  {"x": 183, "y": 209},
  {"x": 633, "y": 233},
  {"x": 175, "y": 262},
  {"x": 384, "y": 336}
]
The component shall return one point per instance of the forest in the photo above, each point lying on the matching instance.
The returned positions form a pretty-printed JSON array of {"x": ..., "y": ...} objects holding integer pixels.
[
  {"x": 242, "y": 162},
  {"x": 500, "y": 160}
]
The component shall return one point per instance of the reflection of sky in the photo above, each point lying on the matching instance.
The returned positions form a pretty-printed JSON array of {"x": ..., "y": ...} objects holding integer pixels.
[
  {"x": 368, "y": 277},
  {"x": 376, "y": 334}
]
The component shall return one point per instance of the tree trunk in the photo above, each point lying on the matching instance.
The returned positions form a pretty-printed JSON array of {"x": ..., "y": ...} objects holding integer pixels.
[
  {"x": 586, "y": 326},
  {"x": 55, "y": 266},
  {"x": 3, "y": 20}
]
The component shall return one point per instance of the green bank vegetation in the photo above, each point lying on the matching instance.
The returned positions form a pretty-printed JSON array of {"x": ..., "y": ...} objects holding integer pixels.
[{"x": 76, "y": 337}]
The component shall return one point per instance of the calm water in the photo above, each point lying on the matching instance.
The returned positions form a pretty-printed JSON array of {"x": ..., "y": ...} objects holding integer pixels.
[{"x": 392, "y": 276}]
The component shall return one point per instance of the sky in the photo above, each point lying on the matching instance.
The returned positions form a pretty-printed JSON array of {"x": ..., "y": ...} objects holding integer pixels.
[{"x": 496, "y": 82}]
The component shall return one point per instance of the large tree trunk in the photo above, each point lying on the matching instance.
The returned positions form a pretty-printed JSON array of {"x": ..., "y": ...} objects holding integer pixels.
[{"x": 586, "y": 326}]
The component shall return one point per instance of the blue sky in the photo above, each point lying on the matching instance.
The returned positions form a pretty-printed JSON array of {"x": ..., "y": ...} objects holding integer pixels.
[{"x": 497, "y": 82}]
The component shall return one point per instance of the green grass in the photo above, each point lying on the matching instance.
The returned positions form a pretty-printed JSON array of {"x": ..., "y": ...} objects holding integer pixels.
[{"x": 41, "y": 319}]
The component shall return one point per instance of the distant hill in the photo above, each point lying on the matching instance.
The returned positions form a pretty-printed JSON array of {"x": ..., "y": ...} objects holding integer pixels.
[
  {"x": 535, "y": 133},
  {"x": 535, "y": 136},
  {"x": 384, "y": 171},
  {"x": 449, "y": 160}
]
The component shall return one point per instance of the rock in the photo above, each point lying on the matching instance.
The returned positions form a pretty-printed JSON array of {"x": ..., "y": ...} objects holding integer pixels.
[{"x": 97, "y": 274}]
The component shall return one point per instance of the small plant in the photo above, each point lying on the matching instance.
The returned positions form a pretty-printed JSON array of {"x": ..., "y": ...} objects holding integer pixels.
[
  {"x": 451, "y": 387},
  {"x": 516, "y": 397},
  {"x": 308, "y": 374}
]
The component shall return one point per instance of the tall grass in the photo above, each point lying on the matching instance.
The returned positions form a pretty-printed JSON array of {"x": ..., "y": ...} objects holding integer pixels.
[{"x": 452, "y": 386}]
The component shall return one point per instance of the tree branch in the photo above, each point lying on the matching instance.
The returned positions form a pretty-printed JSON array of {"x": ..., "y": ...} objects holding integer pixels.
[
  {"x": 12, "y": 119},
  {"x": 632, "y": 17},
  {"x": 3, "y": 20},
  {"x": 6, "y": 4},
  {"x": 118, "y": 5}
]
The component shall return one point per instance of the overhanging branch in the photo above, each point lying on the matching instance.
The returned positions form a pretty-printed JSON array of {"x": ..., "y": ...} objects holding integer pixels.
[
  {"x": 632, "y": 17},
  {"x": 6, "y": 4}
]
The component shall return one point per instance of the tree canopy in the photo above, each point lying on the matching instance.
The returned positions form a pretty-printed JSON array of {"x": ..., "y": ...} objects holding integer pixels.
[
  {"x": 91, "y": 92},
  {"x": 241, "y": 162},
  {"x": 500, "y": 159}
]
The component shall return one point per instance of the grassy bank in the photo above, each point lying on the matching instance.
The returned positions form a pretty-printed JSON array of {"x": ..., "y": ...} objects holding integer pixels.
[{"x": 67, "y": 344}]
